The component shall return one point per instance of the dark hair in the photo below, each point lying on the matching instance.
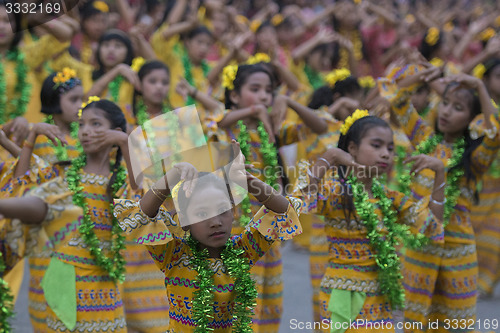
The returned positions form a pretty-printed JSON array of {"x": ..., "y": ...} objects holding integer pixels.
[
  {"x": 114, "y": 114},
  {"x": 428, "y": 50},
  {"x": 490, "y": 65},
  {"x": 113, "y": 34},
  {"x": 18, "y": 32},
  {"x": 51, "y": 97},
  {"x": 470, "y": 143},
  {"x": 199, "y": 30},
  {"x": 88, "y": 10},
  {"x": 244, "y": 72},
  {"x": 204, "y": 180},
  {"x": 355, "y": 134},
  {"x": 325, "y": 49},
  {"x": 147, "y": 68},
  {"x": 324, "y": 95}
]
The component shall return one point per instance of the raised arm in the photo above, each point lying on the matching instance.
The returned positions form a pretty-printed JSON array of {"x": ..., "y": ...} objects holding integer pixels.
[{"x": 15, "y": 208}]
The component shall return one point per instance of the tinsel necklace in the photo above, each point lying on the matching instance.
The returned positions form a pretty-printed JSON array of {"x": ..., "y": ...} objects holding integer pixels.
[
  {"x": 114, "y": 88},
  {"x": 114, "y": 266},
  {"x": 61, "y": 151},
  {"x": 453, "y": 176},
  {"x": 238, "y": 268},
  {"x": 188, "y": 74},
  {"x": 22, "y": 89},
  {"x": 314, "y": 78},
  {"x": 386, "y": 256},
  {"x": 269, "y": 154},
  {"x": 6, "y": 301}
]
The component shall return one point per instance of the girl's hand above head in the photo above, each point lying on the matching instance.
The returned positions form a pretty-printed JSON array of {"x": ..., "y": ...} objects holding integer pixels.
[
  {"x": 130, "y": 75},
  {"x": 336, "y": 157},
  {"x": 182, "y": 171},
  {"x": 184, "y": 89},
  {"x": 463, "y": 79},
  {"x": 423, "y": 161},
  {"x": 52, "y": 132}
]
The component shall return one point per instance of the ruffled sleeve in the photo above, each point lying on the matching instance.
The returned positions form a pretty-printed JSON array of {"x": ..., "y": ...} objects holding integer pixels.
[
  {"x": 484, "y": 155},
  {"x": 155, "y": 233},
  {"x": 266, "y": 227},
  {"x": 418, "y": 216}
]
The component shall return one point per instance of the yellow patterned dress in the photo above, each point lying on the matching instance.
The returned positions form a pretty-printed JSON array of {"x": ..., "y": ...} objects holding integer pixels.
[
  {"x": 172, "y": 255},
  {"x": 441, "y": 280},
  {"x": 314, "y": 146},
  {"x": 352, "y": 266},
  {"x": 485, "y": 218},
  {"x": 94, "y": 298}
]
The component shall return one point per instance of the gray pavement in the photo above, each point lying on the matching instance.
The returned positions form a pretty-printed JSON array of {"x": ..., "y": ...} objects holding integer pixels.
[{"x": 297, "y": 297}]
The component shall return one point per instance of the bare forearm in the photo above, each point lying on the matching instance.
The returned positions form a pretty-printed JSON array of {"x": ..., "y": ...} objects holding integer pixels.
[
  {"x": 177, "y": 29},
  {"x": 11, "y": 147},
  {"x": 177, "y": 12},
  {"x": 102, "y": 83},
  {"x": 16, "y": 208},
  {"x": 233, "y": 116},
  {"x": 438, "y": 195},
  {"x": 487, "y": 106},
  {"x": 288, "y": 77},
  {"x": 23, "y": 164},
  {"x": 309, "y": 117},
  {"x": 265, "y": 193}
]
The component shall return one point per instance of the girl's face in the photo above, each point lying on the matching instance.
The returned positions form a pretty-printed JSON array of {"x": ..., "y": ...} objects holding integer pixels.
[
  {"x": 220, "y": 23},
  {"x": 376, "y": 150},
  {"x": 95, "y": 26},
  {"x": 320, "y": 61},
  {"x": 70, "y": 103},
  {"x": 347, "y": 15},
  {"x": 91, "y": 123},
  {"x": 155, "y": 86},
  {"x": 256, "y": 90},
  {"x": 209, "y": 211},
  {"x": 492, "y": 82},
  {"x": 112, "y": 53},
  {"x": 420, "y": 99},
  {"x": 267, "y": 39},
  {"x": 198, "y": 46},
  {"x": 6, "y": 29},
  {"x": 454, "y": 113}
]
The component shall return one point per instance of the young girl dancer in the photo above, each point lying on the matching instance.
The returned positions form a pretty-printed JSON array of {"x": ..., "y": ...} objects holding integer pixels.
[
  {"x": 364, "y": 222},
  {"x": 441, "y": 280},
  {"x": 207, "y": 273},
  {"x": 80, "y": 284}
]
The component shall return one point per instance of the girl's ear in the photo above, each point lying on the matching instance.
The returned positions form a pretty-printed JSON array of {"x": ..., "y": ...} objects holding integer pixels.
[
  {"x": 352, "y": 148},
  {"x": 234, "y": 97}
]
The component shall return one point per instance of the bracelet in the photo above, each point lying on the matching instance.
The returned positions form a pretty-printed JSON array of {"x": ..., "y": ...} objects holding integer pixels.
[
  {"x": 268, "y": 198},
  {"x": 158, "y": 194},
  {"x": 439, "y": 187},
  {"x": 439, "y": 203},
  {"x": 28, "y": 144},
  {"x": 326, "y": 161}
]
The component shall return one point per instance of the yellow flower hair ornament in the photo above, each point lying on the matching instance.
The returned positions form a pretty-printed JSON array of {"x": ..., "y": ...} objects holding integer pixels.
[
  {"x": 137, "y": 63},
  {"x": 410, "y": 19},
  {"x": 255, "y": 25},
  {"x": 66, "y": 80},
  {"x": 366, "y": 82},
  {"x": 497, "y": 21},
  {"x": 432, "y": 36},
  {"x": 277, "y": 20},
  {"x": 84, "y": 105},
  {"x": 436, "y": 62},
  {"x": 258, "y": 58},
  {"x": 487, "y": 34},
  {"x": 101, "y": 6},
  {"x": 358, "y": 114},
  {"x": 479, "y": 71},
  {"x": 228, "y": 76},
  {"x": 336, "y": 76}
]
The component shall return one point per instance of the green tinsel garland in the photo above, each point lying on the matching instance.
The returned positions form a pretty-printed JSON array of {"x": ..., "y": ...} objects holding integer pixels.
[
  {"x": 59, "y": 149},
  {"x": 238, "y": 268},
  {"x": 114, "y": 88},
  {"x": 384, "y": 245},
  {"x": 313, "y": 77},
  {"x": 6, "y": 301},
  {"x": 22, "y": 88},
  {"x": 188, "y": 75},
  {"x": 269, "y": 154},
  {"x": 115, "y": 267},
  {"x": 452, "y": 189}
]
